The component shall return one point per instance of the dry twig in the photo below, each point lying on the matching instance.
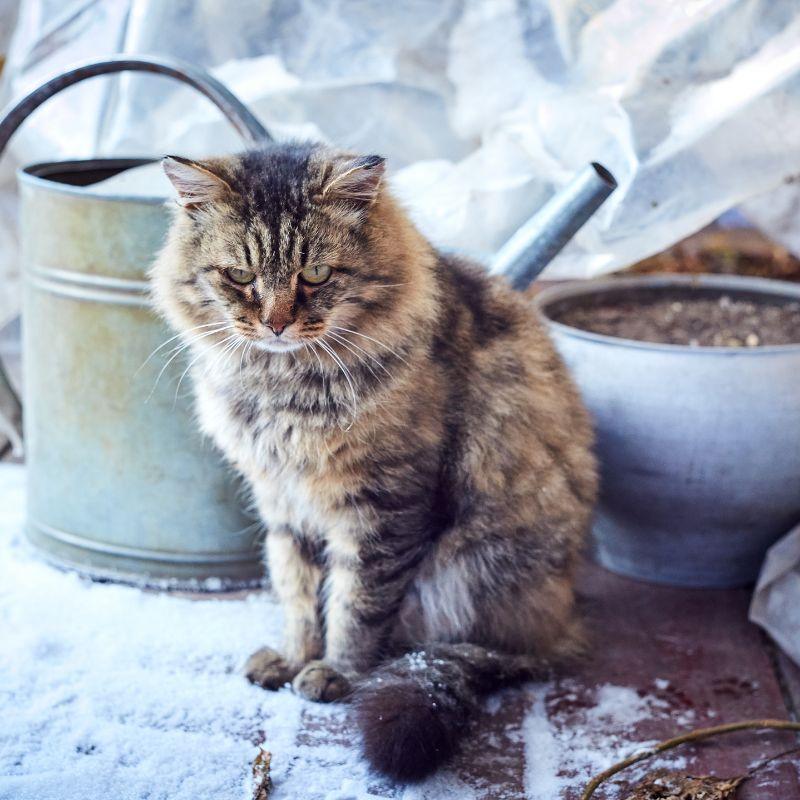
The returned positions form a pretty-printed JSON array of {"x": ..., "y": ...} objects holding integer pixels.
[
  {"x": 692, "y": 736},
  {"x": 262, "y": 782}
]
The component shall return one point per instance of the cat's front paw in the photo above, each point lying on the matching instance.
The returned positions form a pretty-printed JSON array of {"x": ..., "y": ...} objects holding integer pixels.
[
  {"x": 268, "y": 669},
  {"x": 321, "y": 683}
]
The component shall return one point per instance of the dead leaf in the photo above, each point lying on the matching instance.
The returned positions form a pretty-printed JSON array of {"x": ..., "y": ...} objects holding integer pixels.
[
  {"x": 262, "y": 782},
  {"x": 665, "y": 785}
]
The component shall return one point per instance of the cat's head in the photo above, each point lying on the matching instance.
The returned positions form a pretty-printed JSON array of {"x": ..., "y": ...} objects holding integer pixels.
[{"x": 279, "y": 244}]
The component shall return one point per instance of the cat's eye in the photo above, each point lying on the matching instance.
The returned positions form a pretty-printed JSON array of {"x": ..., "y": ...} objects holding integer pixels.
[
  {"x": 316, "y": 274},
  {"x": 240, "y": 276}
]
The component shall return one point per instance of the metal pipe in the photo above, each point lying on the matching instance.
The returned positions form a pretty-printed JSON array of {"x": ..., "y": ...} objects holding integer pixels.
[{"x": 538, "y": 240}]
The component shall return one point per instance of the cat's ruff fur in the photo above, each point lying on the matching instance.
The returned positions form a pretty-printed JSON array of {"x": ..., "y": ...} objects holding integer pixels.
[{"x": 424, "y": 470}]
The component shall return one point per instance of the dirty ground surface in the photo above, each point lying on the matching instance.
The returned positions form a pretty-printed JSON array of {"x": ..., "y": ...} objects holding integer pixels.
[
  {"x": 723, "y": 251},
  {"x": 111, "y": 691}
]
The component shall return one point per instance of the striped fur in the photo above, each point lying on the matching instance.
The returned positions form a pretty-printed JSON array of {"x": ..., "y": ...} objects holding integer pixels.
[{"x": 413, "y": 443}]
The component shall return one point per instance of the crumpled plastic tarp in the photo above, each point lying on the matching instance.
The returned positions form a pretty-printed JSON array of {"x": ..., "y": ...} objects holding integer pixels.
[
  {"x": 776, "y": 600},
  {"x": 483, "y": 107}
]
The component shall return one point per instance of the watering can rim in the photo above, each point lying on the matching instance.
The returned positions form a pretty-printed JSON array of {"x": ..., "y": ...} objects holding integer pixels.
[{"x": 36, "y": 175}]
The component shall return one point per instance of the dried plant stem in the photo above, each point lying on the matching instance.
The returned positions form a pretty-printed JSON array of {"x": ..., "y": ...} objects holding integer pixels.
[
  {"x": 692, "y": 736},
  {"x": 768, "y": 761}
]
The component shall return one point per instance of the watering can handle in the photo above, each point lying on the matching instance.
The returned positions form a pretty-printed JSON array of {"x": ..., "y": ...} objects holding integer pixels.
[{"x": 251, "y": 130}]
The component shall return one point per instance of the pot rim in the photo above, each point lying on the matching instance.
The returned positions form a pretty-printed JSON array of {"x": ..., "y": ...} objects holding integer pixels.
[
  {"x": 581, "y": 288},
  {"x": 38, "y": 175}
]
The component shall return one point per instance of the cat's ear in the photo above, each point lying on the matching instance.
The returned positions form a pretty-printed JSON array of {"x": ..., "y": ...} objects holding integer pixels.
[
  {"x": 195, "y": 184},
  {"x": 355, "y": 180}
]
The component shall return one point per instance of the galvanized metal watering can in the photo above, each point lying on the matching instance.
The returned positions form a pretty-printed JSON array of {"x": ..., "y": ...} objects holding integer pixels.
[{"x": 120, "y": 484}]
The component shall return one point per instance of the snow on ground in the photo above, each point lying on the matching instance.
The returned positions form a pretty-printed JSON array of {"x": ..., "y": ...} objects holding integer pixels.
[
  {"x": 109, "y": 691},
  {"x": 572, "y": 734}
]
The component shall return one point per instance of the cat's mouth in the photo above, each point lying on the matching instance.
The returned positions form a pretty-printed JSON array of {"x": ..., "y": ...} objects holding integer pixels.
[
  {"x": 278, "y": 345},
  {"x": 288, "y": 340}
]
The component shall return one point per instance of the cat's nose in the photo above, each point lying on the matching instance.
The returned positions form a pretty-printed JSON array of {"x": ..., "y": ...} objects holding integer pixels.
[{"x": 278, "y": 315}]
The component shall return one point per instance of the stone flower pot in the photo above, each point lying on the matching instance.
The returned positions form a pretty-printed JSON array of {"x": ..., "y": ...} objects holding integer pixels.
[{"x": 699, "y": 446}]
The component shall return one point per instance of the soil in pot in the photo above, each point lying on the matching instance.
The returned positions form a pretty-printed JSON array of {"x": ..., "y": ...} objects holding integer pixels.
[{"x": 698, "y": 318}]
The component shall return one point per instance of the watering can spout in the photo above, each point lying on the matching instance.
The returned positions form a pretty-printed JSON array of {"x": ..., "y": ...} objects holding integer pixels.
[{"x": 539, "y": 240}]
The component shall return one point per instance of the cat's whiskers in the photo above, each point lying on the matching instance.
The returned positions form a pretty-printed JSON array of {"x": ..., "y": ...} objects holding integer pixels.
[
  {"x": 178, "y": 336},
  {"x": 364, "y": 336},
  {"x": 310, "y": 346},
  {"x": 199, "y": 355},
  {"x": 228, "y": 348},
  {"x": 233, "y": 342},
  {"x": 344, "y": 340},
  {"x": 250, "y": 347},
  {"x": 245, "y": 351},
  {"x": 180, "y": 349},
  {"x": 347, "y": 375},
  {"x": 360, "y": 360}
]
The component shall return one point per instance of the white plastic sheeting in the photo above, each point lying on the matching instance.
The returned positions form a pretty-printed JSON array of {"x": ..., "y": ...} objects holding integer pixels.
[
  {"x": 8, "y": 216},
  {"x": 776, "y": 600},
  {"x": 482, "y": 106}
]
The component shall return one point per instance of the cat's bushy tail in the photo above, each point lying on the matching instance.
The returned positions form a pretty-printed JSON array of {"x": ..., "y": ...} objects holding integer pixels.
[{"x": 413, "y": 712}]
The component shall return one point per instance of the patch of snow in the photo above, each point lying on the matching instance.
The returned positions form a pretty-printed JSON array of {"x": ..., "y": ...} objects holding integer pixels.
[
  {"x": 443, "y": 786},
  {"x": 620, "y": 706},
  {"x": 109, "y": 691},
  {"x": 350, "y": 790},
  {"x": 494, "y": 703},
  {"x": 417, "y": 662},
  {"x": 543, "y": 756},
  {"x": 566, "y": 745}
]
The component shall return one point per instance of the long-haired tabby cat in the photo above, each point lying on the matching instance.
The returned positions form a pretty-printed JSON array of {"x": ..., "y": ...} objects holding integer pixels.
[{"x": 414, "y": 446}]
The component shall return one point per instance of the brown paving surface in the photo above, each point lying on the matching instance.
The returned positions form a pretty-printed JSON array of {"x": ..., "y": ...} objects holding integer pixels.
[
  {"x": 692, "y": 652},
  {"x": 717, "y": 663}
]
